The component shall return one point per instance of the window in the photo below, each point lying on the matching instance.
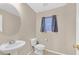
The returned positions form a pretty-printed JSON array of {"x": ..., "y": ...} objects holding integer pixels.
[
  {"x": 49, "y": 24},
  {"x": 0, "y": 23}
]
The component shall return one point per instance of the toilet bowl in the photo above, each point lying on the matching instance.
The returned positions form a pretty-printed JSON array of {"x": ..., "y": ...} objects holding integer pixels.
[{"x": 38, "y": 48}]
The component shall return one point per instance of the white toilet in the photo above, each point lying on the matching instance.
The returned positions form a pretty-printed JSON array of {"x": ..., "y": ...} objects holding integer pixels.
[{"x": 38, "y": 48}]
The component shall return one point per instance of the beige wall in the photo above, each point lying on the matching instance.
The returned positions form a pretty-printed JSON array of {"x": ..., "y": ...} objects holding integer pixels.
[
  {"x": 63, "y": 40},
  {"x": 28, "y": 27}
]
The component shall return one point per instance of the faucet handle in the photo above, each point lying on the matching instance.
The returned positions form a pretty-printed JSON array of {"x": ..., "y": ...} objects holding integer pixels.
[{"x": 12, "y": 41}]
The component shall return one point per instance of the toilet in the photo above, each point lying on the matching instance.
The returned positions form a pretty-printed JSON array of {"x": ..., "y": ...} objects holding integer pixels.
[{"x": 38, "y": 48}]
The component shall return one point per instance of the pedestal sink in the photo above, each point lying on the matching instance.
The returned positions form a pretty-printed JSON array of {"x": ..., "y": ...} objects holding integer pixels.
[{"x": 11, "y": 45}]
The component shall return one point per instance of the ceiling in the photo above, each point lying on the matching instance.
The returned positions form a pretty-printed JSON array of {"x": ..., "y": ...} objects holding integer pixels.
[
  {"x": 37, "y": 7},
  {"x": 40, "y": 7}
]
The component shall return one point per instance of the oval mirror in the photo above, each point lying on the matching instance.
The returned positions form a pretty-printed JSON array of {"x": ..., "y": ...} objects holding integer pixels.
[{"x": 10, "y": 21}]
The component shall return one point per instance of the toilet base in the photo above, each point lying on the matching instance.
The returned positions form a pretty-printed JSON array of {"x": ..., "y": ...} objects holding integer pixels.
[{"x": 38, "y": 52}]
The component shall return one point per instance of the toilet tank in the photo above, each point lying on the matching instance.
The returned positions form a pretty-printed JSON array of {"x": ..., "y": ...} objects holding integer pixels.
[{"x": 34, "y": 41}]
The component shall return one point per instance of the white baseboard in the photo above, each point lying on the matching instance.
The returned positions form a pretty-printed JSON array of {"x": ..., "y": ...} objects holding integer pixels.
[{"x": 51, "y": 51}]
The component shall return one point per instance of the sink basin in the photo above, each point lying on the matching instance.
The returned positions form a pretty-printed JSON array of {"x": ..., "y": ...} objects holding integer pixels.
[{"x": 9, "y": 46}]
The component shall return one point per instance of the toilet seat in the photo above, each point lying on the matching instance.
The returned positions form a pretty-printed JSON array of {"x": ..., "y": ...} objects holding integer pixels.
[{"x": 40, "y": 46}]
